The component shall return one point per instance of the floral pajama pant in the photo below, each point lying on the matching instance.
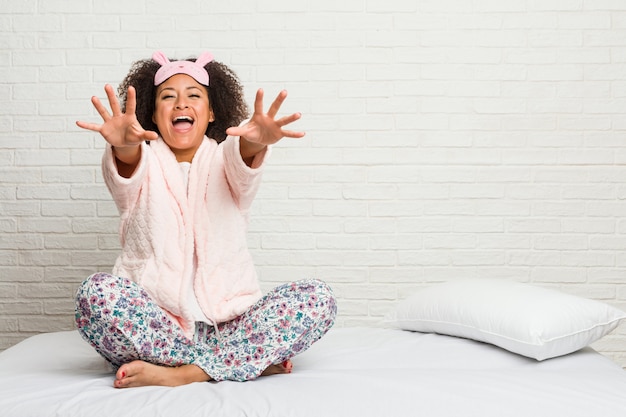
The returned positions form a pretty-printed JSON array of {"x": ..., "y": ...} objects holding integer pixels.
[{"x": 121, "y": 321}]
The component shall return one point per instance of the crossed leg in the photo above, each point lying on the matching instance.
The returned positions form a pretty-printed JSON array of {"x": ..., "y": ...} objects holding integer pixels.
[{"x": 119, "y": 319}]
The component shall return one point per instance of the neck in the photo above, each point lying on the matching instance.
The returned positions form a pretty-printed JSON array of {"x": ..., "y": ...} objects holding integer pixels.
[{"x": 184, "y": 155}]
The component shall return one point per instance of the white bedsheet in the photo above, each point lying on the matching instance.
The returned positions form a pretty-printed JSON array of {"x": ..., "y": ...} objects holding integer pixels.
[{"x": 351, "y": 372}]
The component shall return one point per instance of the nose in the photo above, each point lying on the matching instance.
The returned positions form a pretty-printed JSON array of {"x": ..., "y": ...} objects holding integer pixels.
[{"x": 180, "y": 104}]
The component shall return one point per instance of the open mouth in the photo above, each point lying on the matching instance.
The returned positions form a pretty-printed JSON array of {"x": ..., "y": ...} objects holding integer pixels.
[{"x": 182, "y": 123}]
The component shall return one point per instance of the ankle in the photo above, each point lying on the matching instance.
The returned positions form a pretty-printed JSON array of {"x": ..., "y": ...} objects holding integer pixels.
[{"x": 192, "y": 373}]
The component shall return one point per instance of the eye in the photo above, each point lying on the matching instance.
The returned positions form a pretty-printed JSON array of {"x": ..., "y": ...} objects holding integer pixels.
[
  {"x": 166, "y": 96},
  {"x": 194, "y": 95}
]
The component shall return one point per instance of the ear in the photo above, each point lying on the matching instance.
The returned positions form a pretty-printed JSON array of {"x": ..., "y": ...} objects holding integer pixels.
[
  {"x": 211, "y": 112},
  {"x": 160, "y": 57},
  {"x": 204, "y": 58}
]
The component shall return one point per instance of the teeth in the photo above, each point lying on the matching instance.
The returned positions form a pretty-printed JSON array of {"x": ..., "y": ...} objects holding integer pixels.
[{"x": 183, "y": 119}]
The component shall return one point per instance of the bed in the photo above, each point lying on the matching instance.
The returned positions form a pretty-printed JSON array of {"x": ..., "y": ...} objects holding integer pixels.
[{"x": 352, "y": 371}]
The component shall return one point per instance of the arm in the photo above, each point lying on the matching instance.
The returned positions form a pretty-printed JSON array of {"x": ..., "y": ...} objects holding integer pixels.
[
  {"x": 263, "y": 129},
  {"x": 121, "y": 130}
]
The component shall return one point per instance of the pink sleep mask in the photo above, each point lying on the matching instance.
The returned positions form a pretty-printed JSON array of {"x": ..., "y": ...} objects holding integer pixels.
[{"x": 193, "y": 69}]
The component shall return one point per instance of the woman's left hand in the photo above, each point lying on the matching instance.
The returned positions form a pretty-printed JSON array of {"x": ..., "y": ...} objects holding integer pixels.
[{"x": 263, "y": 128}]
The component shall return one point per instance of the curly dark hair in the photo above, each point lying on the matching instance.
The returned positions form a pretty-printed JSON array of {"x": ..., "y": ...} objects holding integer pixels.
[{"x": 225, "y": 96}]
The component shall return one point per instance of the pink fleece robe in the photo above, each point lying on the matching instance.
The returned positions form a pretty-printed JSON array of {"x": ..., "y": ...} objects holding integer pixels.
[{"x": 163, "y": 227}]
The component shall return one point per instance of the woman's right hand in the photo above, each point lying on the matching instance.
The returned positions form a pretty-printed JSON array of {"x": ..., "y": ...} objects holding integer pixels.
[{"x": 121, "y": 130}]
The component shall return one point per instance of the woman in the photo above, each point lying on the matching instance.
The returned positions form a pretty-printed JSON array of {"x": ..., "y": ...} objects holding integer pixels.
[{"x": 183, "y": 303}]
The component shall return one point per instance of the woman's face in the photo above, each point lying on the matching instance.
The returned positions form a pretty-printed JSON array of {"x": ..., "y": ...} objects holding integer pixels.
[{"x": 182, "y": 113}]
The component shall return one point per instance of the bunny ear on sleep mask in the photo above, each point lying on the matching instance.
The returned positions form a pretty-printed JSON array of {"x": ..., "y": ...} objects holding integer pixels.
[{"x": 193, "y": 69}]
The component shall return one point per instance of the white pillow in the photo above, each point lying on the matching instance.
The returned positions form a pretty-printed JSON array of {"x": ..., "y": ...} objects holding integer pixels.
[{"x": 532, "y": 321}]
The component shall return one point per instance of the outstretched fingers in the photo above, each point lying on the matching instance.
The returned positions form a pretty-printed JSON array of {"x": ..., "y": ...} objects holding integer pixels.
[
  {"x": 275, "y": 106},
  {"x": 88, "y": 126},
  {"x": 102, "y": 110},
  {"x": 263, "y": 128},
  {"x": 258, "y": 101},
  {"x": 273, "y": 111},
  {"x": 292, "y": 134},
  {"x": 131, "y": 100},
  {"x": 113, "y": 101},
  {"x": 287, "y": 120},
  {"x": 120, "y": 129}
]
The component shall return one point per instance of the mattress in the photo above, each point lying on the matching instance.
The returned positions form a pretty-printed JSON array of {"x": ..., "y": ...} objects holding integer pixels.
[{"x": 350, "y": 372}]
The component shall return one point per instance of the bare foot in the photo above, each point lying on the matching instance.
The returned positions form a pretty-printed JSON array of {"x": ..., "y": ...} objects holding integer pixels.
[
  {"x": 140, "y": 373},
  {"x": 281, "y": 368}
]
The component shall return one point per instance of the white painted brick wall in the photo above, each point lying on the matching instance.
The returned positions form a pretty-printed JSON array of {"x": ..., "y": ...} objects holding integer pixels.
[{"x": 445, "y": 139}]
